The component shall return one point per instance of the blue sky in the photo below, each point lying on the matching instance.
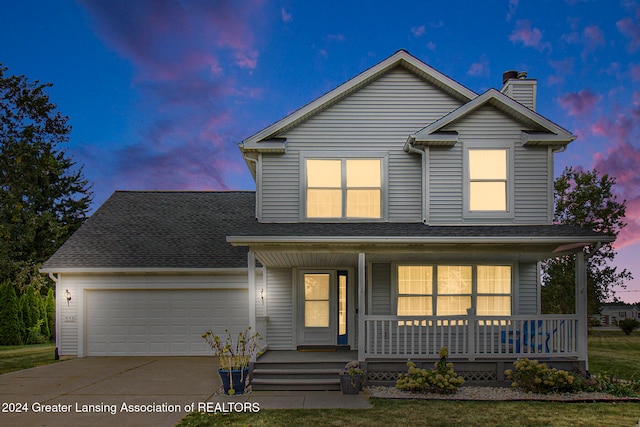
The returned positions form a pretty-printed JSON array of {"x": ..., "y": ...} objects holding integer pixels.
[{"x": 160, "y": 92}]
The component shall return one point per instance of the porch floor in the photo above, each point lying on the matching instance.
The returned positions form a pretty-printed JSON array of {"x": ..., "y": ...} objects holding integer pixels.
[{"x": 296, "y": 356}]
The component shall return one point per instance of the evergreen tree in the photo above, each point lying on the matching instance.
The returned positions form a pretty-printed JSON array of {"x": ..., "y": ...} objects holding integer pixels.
[
  {"x": 10, "y": 330},
  {"x": 50, "y": 309},
  {"x": 43, "y": 195}
]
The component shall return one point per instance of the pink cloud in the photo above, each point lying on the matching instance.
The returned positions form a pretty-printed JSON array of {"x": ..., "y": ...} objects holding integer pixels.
[
  {"x": 431, "y": 46},
  {"x": 620, "y": 161},
  {"x": 248, "y": 59},
  {"x": 579, "y": 103},
  {"x": 593, "y": 37},
  {"x": 418, "y": 31},
  {"x": 635, "y": 72},
  {"x": 630, "y": 28},
  {"x": 336, "y": 37},
  {"x": 513, "y": 6},
  {"x": 286, "y": 16},
  {"x": 187, "y": 57},
  {"x": 562, "y": 69},
  {"x": 480, "y": 68},
  {"x": 529, "y": 37}
]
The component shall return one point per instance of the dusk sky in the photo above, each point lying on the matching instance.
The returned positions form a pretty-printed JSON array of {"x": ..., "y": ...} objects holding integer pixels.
[{"x": 159, "y": 93}]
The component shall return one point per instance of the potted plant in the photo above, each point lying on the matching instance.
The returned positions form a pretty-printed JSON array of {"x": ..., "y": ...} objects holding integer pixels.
[
  {"x": 234, "y": 357},
  {"x": 351, "y": 378}
]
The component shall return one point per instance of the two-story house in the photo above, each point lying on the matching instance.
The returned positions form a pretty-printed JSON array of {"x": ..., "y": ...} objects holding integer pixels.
[{"x": 398, "y": 213}]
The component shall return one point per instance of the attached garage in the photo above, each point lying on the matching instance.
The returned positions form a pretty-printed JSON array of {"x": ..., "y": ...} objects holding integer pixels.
[
  {"x": 160, "y": 322},
  {"x": 150, "y": 272}
]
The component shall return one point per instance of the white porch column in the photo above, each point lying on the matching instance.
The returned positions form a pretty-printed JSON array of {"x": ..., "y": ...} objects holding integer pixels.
[
  {"x": 251, "y": 259},
  {"x": 581, "y": 308},
  {"x": 361, "y": 304}
]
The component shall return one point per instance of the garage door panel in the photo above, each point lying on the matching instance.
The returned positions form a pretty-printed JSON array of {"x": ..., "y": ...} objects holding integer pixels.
[{"x": 160, "y": 322}]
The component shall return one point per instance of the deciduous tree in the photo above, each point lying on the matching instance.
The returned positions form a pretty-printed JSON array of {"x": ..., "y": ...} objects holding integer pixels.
[
  {"x": 585, "y": 199},
  {"x": 43, "y": 194}
]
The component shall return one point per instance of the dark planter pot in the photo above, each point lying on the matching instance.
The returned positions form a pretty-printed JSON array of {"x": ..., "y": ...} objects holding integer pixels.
[
  {"x": 235, "y": 378},
  {"x": 351, "y": 384}
]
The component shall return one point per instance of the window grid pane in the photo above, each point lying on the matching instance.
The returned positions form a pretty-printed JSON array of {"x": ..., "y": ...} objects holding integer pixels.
[
  {"x": 454, "y": 279},
  {"x": 415, "y": 306},
  {"x": 324, "y": 173},
  {"x": 324, "y": 203},
  {"x": 363, "y": 203}
]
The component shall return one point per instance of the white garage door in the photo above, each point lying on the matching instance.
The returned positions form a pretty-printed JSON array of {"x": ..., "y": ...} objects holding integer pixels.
[{"x": 160, "y": 322}]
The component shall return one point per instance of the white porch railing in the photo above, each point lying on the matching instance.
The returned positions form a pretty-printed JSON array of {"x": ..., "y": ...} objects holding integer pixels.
[{"x": 471, "y": 336}]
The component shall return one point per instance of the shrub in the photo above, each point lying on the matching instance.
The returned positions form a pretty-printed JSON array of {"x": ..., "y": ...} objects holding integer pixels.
[
  {"x": 50, "y": 309},
  {"x": 34, "y": 334},
  {"x": 537, "y": 377},
  {"x": 628, "y": 325},
  {"x": 609, "y": 384},
  {"x": 442, "y": 379}
]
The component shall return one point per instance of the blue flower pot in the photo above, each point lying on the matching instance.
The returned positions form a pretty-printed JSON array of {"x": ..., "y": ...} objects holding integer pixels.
[{"x": 234, "y": 380}]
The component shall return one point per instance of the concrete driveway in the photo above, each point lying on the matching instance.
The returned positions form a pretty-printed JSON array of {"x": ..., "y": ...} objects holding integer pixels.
[{"x": 82, "y": 392}]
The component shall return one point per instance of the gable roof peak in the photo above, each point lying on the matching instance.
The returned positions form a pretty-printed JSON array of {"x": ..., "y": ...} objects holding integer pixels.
[{"x": 399, "y": 58}]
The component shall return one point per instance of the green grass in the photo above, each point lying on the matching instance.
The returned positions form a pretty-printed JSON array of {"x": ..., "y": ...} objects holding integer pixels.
[
  {"x": 16, "y": 358},
  {"x": 615, "y": 353},
  {"x": 435, "y": 413}
]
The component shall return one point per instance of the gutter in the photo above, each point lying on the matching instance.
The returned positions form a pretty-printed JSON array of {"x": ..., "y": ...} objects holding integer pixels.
[{"x": 247, "y": 240}]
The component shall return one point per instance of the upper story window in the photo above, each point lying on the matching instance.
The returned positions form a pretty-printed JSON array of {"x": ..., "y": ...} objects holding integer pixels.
[
  {"x": 343, "y": 188},
  {"x": 488, "y": 190}
]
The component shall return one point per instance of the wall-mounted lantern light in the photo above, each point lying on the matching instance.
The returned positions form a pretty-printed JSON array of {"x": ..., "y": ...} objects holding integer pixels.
[{"x": 67, "y": 295}]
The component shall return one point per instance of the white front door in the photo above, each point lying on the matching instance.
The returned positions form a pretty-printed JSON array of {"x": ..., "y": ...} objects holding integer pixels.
[{"x": 317, "y": 295}]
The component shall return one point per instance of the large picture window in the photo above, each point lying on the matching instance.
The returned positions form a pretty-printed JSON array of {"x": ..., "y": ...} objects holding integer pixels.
[
  {"x": 449, "y": 290},
  {"x": 488, "y": 180},
  {"x": 343, "y": 188}
]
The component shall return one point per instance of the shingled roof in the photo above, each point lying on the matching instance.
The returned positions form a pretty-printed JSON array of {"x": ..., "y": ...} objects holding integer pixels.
[
  {"x": 189, "y": 230},
  {"x": 170, "y": 230}
]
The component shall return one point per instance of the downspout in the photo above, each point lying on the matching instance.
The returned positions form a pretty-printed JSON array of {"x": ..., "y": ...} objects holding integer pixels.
[
  {"x": 409, "y": 148},
  {"x": 56, "y": 280}
]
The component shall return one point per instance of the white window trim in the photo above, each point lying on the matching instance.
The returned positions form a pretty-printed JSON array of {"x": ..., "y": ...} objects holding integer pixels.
[
  {"x": 344, "y": 155},
  {"x": 488, "y": 215},
  {"x": 435, "y": 294}
]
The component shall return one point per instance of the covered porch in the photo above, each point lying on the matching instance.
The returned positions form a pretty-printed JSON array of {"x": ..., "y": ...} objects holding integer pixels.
[{"x": 278, "y": 312}]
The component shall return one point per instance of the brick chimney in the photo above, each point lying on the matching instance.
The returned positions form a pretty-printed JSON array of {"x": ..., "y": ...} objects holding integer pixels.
[{"x": 517, "y": 86}]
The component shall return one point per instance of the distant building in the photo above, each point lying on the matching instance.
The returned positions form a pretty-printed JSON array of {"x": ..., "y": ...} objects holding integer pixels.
[{"x": 612, "y": 314}]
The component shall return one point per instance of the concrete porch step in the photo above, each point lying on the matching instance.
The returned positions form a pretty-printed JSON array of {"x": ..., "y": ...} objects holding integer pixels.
[
  {"x": 294, "y": 373},
  {"x": 263, "y": 384}
]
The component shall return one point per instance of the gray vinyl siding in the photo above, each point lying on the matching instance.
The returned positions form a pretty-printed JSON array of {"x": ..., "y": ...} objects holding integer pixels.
[
  {"x": 527, "y": 291},
  {"x": 380, "y": 289},
  {"x": 280, "y": 309},
  {"x": 379, "y": 118},
  {"x": 532, "y": 191},
  {"x": 445, "y": 185},
  {"x": 488, "y": 127},
  {"x": 523, "y": 91},
  {"x": 280, "y": 187}
]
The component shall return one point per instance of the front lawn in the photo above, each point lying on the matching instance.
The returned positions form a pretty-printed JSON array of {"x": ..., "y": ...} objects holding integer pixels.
[
  {"x": 16, "y": 358},
  {"x": 435, "y": 413},
  {"x": 615, "y": 353}
]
